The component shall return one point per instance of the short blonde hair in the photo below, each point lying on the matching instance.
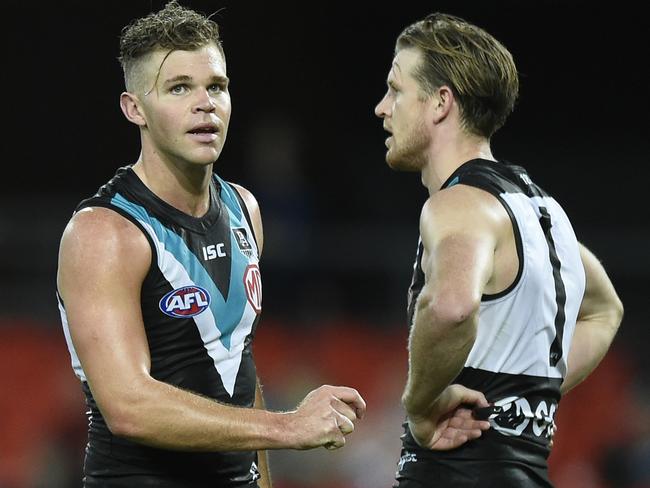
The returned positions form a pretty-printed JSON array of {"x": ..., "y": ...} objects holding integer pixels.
[
  {"x": 174, "y": 27},
  {"x": 479, "y": 70}
]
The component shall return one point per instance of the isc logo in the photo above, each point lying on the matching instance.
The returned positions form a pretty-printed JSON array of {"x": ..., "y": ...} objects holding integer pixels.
[{"x": 187, "y": 301}]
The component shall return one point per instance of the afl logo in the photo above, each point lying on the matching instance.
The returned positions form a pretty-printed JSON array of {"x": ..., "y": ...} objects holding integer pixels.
[
  {"x": 253, "y": 286},
  {"x": 187, "y": 301}
]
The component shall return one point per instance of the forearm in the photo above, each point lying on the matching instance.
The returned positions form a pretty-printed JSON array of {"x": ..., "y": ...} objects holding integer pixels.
[
  {"x": 163, "y": 416},
  {"x": 591, "y": 340},
  {"x": 262, "y": 456},
  {"x": 438, "y": 349}
]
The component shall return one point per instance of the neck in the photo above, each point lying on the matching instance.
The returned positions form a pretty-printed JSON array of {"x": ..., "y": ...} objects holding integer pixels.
[
  {"x": 444, "y": 159},
  {"x": 183, "y": 186}
]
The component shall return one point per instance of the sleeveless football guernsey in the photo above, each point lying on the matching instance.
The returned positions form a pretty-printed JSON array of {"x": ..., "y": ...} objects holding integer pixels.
[
  {"x": 200, "y": 301},
  {"x": 519, "y": 358}
]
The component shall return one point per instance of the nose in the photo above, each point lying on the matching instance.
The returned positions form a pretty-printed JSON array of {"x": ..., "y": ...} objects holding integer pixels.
[
  {"x": 380, "y": 108},
  {"x": 205, "y": 102}
]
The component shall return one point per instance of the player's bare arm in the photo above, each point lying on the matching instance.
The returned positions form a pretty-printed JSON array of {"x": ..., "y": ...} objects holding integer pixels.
[
  {"x": 99, "y": 281},
  {"x": 461, "y": 228},
  {"x": 262, "y": 456},
  {"x": 599, "y": 318},
  {"x": 459, "y": 244},
  {"x": 255, "y": 214}
]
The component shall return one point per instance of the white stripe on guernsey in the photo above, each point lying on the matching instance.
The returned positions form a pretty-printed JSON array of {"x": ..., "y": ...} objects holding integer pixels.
[
  {"x": 226, "y": 362},
  {"x": 76, "y": 364}
]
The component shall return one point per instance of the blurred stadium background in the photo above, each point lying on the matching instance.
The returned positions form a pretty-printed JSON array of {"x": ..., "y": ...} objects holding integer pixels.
[{"x": 340, "y": 227}]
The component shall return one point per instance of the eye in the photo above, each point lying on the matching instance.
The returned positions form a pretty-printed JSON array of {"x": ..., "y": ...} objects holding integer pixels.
[
  {"x": 178, "y": 89},
  {"x": 217, "y": 87}
]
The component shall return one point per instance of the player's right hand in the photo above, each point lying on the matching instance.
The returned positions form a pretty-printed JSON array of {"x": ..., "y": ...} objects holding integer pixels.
[
  {"x": 325, "y": 416},
  {"x": 450, "y": 423}
]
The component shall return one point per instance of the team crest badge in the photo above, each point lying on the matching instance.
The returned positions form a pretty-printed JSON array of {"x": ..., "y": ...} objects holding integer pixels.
[
  {"x": 241, "y": 237},
  {"x": 253, "y": 286}
]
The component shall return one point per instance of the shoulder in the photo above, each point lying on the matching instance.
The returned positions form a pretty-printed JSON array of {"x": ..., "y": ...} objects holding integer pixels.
[
  {"x": 465, "y": 214},
  {"x": 98, "y": 238},
  {"x": 101, "y": 224},
  {"x": 462, "y": 204},
  {"x": 248, "y": 197}
]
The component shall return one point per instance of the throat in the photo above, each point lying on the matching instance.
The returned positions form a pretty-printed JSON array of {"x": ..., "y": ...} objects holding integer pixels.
[
  {"x": 187, "y": 191},
  {"x": 193, "y": 204}
]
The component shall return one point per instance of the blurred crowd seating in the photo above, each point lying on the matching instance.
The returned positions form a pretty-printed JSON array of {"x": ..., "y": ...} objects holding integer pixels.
[{"x": 603, "y": 436}]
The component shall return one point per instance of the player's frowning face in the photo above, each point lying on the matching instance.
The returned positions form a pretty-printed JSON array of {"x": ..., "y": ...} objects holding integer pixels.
[
  {"x": 187, "y": 110},
  {"x": 402, "y": 109}
]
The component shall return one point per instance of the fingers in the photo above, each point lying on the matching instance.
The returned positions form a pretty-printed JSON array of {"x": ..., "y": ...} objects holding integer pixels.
[
  {"x": 326, "y": 415},
  {"x": 458, "y": 436},
  {"x": 347, "y": 406},
  {"x": 344, "y": 424},
  {"x": 454, "y": 397},
  {"x": 467, "y": 396},
  {"x": 337, "y": 444},
  {"x": 344, "y": 409},
  {"x": 462, "y": 427},
  {"x": 344, "y": 414},
  {"x": 463, "y": 418},
  {"x": 349, "y": 396},
  {"x": 449, "y": 431}
]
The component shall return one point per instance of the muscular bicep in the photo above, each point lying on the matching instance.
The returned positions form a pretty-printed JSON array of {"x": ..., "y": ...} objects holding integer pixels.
[
  {"x": 459, "y": 229},
  {"x": 459, "y": 262},
  {"x": 103, "y": 260}
]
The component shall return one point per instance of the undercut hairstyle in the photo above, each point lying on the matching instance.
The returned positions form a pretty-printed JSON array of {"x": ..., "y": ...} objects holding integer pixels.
[
  {"x": 477, "y": 68},
  {"x": 172, "y": 28}
]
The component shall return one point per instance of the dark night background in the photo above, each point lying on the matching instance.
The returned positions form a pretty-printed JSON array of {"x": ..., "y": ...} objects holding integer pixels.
[
  {"x": 304, "y": 82},
  {"x": 341, "y": 228}
]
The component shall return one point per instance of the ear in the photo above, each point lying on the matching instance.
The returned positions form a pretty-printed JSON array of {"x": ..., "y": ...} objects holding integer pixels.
[
  {"x": 442, "y": 100},
  {"x": 132, "y": 109}
]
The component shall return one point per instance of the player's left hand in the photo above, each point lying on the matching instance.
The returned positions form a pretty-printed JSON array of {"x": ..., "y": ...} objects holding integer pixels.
[{"x": 450, "y": 424}]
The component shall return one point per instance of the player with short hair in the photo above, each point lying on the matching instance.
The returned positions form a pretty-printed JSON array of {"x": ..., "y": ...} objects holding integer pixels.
[
  {"x": 159, "y": 288},
  {"x": 507, "y": 310}
]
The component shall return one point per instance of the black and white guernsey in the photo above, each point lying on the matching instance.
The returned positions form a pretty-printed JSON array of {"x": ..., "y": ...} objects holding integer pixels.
[{"x": 519, "y": 358}]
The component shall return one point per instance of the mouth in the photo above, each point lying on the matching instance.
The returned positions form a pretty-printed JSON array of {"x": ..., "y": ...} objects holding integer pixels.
[{"x": 204, "y": 133}]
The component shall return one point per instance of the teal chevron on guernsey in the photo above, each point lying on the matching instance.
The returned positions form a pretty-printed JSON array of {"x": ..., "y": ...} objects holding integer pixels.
[{"x": 227, "y": 311}]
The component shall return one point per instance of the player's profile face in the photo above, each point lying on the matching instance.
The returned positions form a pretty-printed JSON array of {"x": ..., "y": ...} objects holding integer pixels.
[
  {"x": 188, "y": 109},
  {"x": 402, "y": 109}
]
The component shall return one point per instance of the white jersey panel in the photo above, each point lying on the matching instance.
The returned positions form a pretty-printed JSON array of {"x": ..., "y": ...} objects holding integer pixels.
[{"x": 516, "y": 331}]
